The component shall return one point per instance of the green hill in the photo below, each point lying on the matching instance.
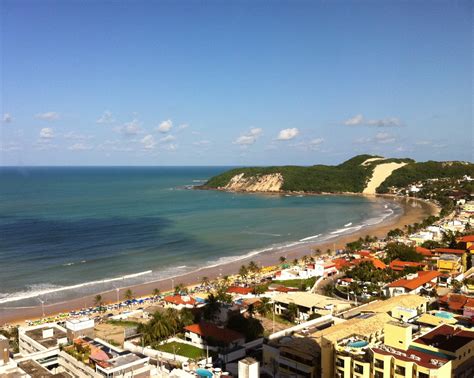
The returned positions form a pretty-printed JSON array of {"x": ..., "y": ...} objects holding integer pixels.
[{"x": 350, "y": 176}]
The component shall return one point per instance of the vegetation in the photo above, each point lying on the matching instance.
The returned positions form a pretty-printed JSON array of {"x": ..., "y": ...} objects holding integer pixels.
[
  {"x": 402, "y": 252},
  {"x": 124, "y": 323},
  {"x": 12, "y": 336},
  {"x": 250, "y": 327},
  {"x": 301, "y": 284},
  {"x": 164, "y": 325},
  {"x": 181, "y": 349},
  {"x": 415, "y": 172},
  {"x": 128, "y": 294}
]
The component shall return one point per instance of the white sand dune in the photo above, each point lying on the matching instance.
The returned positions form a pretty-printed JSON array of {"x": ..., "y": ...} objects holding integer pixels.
[{"x": 381, "y": 172}]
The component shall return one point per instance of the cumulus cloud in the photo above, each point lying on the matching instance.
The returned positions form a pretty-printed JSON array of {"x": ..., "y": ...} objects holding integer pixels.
[
  {"x": 130, "y": 128},
  {"x": 75, "y": 136},
  {"x": 7, "y": 118},
  {"x": 288, "y": 134},
  {"x": 183, "y": 126},
  {"x": 249, "y": 138},
  {"x": 165, "y": 126},
  {"x": 106, "y": 117},
  {"x": 359, "y": 120},
  {"x": 356, "y": 120},
  {"x": 316, "y": 141},
  {"x": 80, "y": 147},
  {"x": 46, "y": 133},
  {"x": 48, "y": 116},
  {"x": 168, "y": 138},
  {"x": 148, "y": 142},
  {"x": 379, "y": 138}
]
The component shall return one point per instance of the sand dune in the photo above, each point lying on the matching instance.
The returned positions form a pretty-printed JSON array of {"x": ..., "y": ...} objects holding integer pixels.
[{"x": 381, "y": 172}]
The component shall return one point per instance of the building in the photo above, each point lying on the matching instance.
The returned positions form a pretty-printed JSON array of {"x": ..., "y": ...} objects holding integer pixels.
[
  {"x": 76, "y": 328},
  {"x": 400, "y": 266},
  {"x": 308, "y": 304},
  {"x": 204, "y": 333},
  {"x": 449, "y": 264},
  {"x": 249, "y": 368},
  {"x": 40, "y": 338},
  {"x": 180, "y": 301},
  {"x": 96, "y": 359},
  {"x": 412, "y": 283},
  {"x": 4, "y": 350}
]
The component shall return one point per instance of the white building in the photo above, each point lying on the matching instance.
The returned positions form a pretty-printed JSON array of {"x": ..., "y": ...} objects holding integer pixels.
[{"x": 249, "y": 368}]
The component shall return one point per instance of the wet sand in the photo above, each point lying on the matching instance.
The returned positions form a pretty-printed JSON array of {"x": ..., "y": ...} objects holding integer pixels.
[{"x": 413, "y": 211}]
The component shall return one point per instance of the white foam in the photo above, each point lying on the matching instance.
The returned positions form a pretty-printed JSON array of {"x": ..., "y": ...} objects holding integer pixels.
[
  {"x": 310, "y": 237},
  {"x": 35, "y": 292}
]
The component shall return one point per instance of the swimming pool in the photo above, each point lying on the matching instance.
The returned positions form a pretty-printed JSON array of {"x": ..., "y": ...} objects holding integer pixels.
[
  {"x": 444, "y": 315},
  {"x": 203, "y": 373},
  {"x": 358, "y": 344}
]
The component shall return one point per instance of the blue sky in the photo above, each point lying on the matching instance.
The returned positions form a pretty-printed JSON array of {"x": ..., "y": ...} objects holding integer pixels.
[{"x": 234, "y": 82}]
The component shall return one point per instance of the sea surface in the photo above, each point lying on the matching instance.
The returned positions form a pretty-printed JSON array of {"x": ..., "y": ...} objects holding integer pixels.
[{"x": 68, "y": 232}]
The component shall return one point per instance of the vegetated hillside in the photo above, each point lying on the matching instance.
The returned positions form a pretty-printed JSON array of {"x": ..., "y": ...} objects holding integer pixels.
[
  {"x": 415, "y": 172},
  {"x": 350, "y": 176}
]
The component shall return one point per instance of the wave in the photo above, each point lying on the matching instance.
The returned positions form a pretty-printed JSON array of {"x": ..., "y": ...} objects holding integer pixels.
[
  {"x": 260, "y": 233},
  {"x": 310, "y": 237},
  {"x": 49, "y": 289}
]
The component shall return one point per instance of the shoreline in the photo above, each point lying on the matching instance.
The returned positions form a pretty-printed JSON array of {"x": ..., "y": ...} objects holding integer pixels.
[{"x": 413, "y": 210}]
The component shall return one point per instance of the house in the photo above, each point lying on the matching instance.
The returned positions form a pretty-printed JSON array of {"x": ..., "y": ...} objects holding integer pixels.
[
  {"x": 377, "y": 263},
  {"x": 412, "y": 283},
  {"x": 240, "y": 291},
  {"x": 466, "y": 241},
  {"x": 204, "y": 333},
  {"x": 42, "y": 337},
  {"x": 179, "y": 302},
  {"x": 450, "y": 264},
  {"x": 308, "y": 304},
  {"x": 399, "y": 265},
  {"x": 458, "y": 303},
  {"x": 322, "y": 268},
  {"x": 449, "y": 251}
]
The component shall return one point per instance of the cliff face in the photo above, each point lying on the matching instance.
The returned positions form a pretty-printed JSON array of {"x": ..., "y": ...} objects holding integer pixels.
[{"x": 262, "y": 183}]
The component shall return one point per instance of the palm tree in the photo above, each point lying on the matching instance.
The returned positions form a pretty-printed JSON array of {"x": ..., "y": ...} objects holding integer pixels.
[
  {"x": 295, "y": 262},
  {"x": 205, "y": 281},
  {"x": 98, "y": 300},
  {"x": 243, "y": 272},
  {"x": 156, "y": 293},
  {"x": 253, "y": 267},
  {"x": 264, "y": 307},
  {"x": 212, "y": 307},
  {"x": 282, "y": 259},
  {"x": 128, "y": 294}
]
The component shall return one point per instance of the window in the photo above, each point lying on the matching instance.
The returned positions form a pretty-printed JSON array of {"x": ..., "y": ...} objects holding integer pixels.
[
  {"x": 378, "y": 374},
  {"x": 358, "y": 368},
  {"x": 400, "y": 370},
  {"x": 378, "y": 363},
  {"x": 340, "y": 362},
  {"x": 423, "y": 375}
]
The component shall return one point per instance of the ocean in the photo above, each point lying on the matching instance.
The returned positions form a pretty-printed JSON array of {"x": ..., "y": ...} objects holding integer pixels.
[{"x": 69, "y": 232}]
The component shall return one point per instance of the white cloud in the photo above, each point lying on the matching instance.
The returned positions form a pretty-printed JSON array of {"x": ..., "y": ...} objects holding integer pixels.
[
  {"x": 165, "y": 126},
  {"x": 7, "y": 118},
  {"x": 106, "y": 117},
  {"x": 47, "y": 133},
  {"x": 183, "y": 126},
  {"x": 130, "y": 128},
  {"x": 356, "y": 120},
  {"x": 171, "y": 147},
  {"x": 168, "y": 138},
  {"x": 249, "y": 138},
  {"x": 10, "y": 146},
  {"x": 202, "y": 142},
  {"x": 148, "y": 142},
  {"x": 384, "y": 138},
  {"x": 48, "y": 116},
  {"x": 316, "y": 141},
  {"x": 75, "y": 136},
  {"x": 114, "y": 146},
  {"x": 359, "y": 120},
  {"x": 385, "y": 122},
  {"x": 80, "y": 147},
  {"x": 287, "y": 134}
]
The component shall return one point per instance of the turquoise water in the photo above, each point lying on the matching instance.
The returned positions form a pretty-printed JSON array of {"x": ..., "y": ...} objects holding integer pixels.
[
  {"x": 444, "y": 315},
  {"x": 358, "y": 344},
  {"x": 66, "y": 232}
]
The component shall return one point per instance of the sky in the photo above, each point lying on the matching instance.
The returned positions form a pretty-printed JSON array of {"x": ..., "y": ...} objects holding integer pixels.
[{"x": 234, "y": 82}]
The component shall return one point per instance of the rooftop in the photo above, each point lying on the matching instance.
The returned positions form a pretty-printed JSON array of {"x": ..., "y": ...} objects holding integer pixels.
[
  {"x": 180, "y": 300},
  {"x": 411, "y": 301},
  {"x": 34, "y": 369},
  {"x": 446, "y": 337},
  {"x": 424, "y": 359},
  {"x": 450, "y": 250},
  {"x": 401, "y": 265},
  {"x": 421, "y": 279},
  {"x": 49, "y": 341},
  {"x": 211, "y": 330},
  {"x": 239, "y": 290},
  {"x": 309, "y": 300}
]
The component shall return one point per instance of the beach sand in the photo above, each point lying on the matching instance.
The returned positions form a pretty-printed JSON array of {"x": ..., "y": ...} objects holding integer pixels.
[{"x": 413, "y": 211}]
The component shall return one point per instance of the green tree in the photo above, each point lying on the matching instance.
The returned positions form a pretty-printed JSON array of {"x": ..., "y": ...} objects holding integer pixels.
[
  {"x": 98, "y": 301},
  {"x": 243, "y": 272},
  {"x": 291, "y": 312},
  {"x": 402, "y": 252},
  {"x": 282, "y": 259},
  {"x": 156, "y": 293},
  {"x": 264, "y": 307},
  {"x": 128, "y": 294},
  {"x": 250, "y": 327},
  {"x": 212, "y": 307}
]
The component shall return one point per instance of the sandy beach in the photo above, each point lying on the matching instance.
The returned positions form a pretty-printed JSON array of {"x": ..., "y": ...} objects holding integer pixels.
[{"x": 413, "y": 211}]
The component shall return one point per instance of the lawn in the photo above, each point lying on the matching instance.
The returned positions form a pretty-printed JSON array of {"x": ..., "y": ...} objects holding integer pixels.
[
  {"x": 123, "y": 323},
  {"x": 296, "y": 283},
  {"x": 182, "y": 350}
]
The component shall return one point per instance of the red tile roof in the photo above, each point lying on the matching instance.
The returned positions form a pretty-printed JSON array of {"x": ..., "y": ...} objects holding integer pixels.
[
  {"x": 211, "y": 330},
  {"x": 450, "y": 250},
  {"x": 401, "y": 265},
  {"x": 421, "y": 279},
  {"x": 180, "y": 300},
  {"x": 421, "y": 358},
  {"x": 340, "y": 263},
  {"x": 375, "y": 261},
  {"x": 467, "y": 239},
  {"x": 446, "y": 337},
  {"x": 456, "y": 302},
  {"x": 423, "y": 251},
  {"x": 239, "y": 290}
]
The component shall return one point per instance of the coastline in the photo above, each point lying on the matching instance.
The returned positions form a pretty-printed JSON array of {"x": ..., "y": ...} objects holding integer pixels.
[{"x": 413, "y": 210}]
